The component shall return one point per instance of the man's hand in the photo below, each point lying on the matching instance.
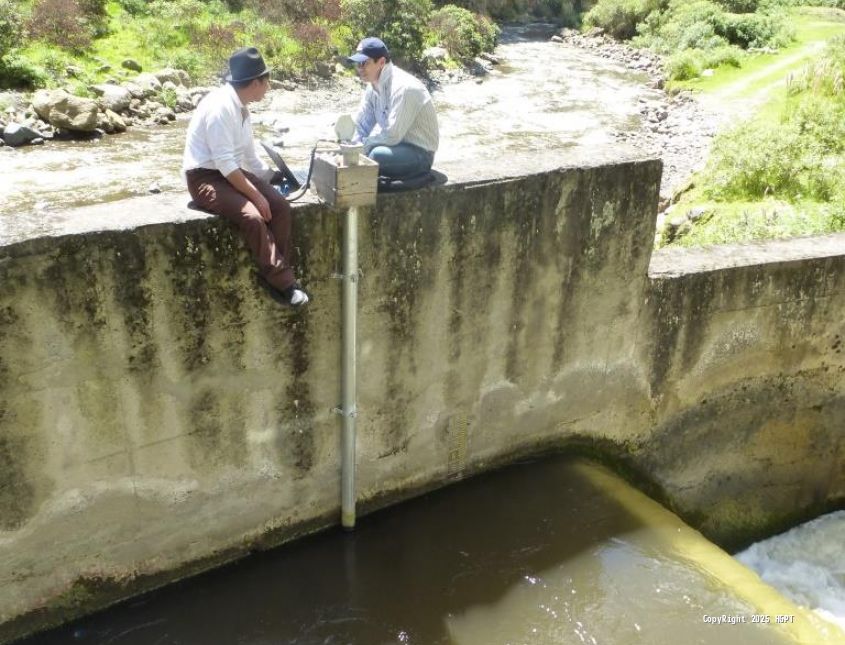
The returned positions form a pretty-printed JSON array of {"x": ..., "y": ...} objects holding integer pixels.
[
  {"x": 262, "y": 205},
  {"x": 245, "y": 187}
]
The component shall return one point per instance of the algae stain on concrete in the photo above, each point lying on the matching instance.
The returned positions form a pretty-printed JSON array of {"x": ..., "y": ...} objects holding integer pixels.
[
  {"x": 191, "y": 306},
  {"x": 72, "y": 279},
  {"x": 17, "y": 490},
  {"x": 226, "y": 280},
  {"x": 296, "y": 409},
  {"x": 131, "y": 274},
  {"x": 570, "y": 245},
  {"x": 216, "y": 438},
  {"x": 527, "y": 227},
  {"x": 406, "y": 252}
]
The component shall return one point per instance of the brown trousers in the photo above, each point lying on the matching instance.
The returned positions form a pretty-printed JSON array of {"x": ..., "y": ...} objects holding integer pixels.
[{"x": 269, "y": 243}]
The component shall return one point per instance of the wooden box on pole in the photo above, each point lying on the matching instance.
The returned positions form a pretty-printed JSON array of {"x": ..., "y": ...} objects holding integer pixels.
[{"x": 343, "y": 186}]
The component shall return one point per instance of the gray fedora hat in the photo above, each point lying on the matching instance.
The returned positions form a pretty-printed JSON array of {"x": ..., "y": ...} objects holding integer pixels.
[{"x": 245, "y": 65}]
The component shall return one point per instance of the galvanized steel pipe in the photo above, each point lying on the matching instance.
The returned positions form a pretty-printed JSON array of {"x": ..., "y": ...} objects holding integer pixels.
[{"x": 349, "y": 384}]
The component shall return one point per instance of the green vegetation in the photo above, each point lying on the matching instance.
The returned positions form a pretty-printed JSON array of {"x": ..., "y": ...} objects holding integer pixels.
[
  {"x": 696, "y": 34},
  {"x": 779, "y": 174},
  {"x": 75, "y": 43},
  {"x": 782, "y": 173},
  {"x": 464, "y": 34}
]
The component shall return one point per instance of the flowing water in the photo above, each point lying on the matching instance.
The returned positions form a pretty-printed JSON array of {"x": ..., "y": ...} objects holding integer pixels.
[
  {"x": 545, "y": 106},
  {"x": 548, "y": 553},
  {"x": 807, "y": 564}
]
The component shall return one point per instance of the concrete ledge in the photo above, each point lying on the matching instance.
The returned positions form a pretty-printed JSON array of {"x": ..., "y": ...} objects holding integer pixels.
[
  {"x": 670, "y": 262},
  {"x": 159, "y": 414}
]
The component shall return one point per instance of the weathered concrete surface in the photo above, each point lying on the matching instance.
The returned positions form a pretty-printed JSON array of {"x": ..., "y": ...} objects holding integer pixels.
[{"x": 159, "y": 414}]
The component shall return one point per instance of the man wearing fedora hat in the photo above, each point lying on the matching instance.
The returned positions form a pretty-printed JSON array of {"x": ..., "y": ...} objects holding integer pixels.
[
  {"x": 226, "y": 177},
  {"x": 396, "y": 120}
]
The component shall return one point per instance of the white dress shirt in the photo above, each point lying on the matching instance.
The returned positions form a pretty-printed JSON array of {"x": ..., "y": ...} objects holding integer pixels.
[
  {"x": 220, "y": 136},
  {"x": 398, "y": 109}
]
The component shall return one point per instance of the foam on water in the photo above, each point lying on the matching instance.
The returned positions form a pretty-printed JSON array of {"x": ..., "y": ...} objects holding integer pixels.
[{"x": 806, "y": 564}]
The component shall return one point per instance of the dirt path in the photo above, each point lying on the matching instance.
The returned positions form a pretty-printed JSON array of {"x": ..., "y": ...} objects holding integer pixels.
[{"x": 735, "y": 99}]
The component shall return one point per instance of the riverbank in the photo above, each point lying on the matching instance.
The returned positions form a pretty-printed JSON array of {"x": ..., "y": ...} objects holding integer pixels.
[
  {"x": 520, "y": 117},
  {"x": 673, "y": 126}
]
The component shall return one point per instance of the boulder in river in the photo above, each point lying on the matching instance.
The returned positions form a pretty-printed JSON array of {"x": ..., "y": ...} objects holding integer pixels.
[
  {"x": 175, "y": 76},
  {"x": 66, "y": 111},
  {"x": 113, "y": 97},
  {"x": 112, "y": 122},
  {"x": 15, "y": 134},
  {"x": 148, "y": 83},
  {"x": 435, "y": 57}
]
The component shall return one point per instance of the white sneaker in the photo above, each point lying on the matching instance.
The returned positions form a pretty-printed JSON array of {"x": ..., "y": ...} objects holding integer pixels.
[{"x": 298, "y": 298}]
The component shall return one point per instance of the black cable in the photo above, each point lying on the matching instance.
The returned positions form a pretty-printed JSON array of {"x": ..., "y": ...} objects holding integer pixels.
[{"x": 303, "y": 189}]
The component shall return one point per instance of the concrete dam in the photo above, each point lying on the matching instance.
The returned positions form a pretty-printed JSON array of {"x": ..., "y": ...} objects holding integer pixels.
[{"x": 159, "y": 415}]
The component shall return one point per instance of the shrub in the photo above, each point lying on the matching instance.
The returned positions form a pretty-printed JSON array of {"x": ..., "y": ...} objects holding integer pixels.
[
  {"x": 749, "y": 29},
  {"x": 566, "y": 10},
  {"x": 188, "y": 60},
  {"x": 619, "y": 18},
  {"x": 826, "y": 75},
  {"x": 464, "y": 34},
  {"x": 739, "y": 6},
  {"x": 135, "y": 7},
  {"x": 401, "y": 24},
  {"x": 703, "y": 24},
  {"x": 11, "y": 27},
  {"x": 19, "y": 73},
  {"x": 61, "y": 23},
  {"x": 754, "y": 161},
  {"x": 218, "y": 40},
  {"x": 290, "y": 11},
  {"x": 821, "y": 120},
  {"x": 684, "y": 65},
  {"x": 315, "y": 43},
  {"x": 279, "y": 49},
  {"x": 725, "y": 55}
]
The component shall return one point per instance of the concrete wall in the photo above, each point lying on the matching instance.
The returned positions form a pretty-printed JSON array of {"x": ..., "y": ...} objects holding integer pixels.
[{"x": 159, "y": 414}]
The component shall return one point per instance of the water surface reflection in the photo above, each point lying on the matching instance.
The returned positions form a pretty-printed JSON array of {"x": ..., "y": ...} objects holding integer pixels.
[{"x": 552, "y": 552}]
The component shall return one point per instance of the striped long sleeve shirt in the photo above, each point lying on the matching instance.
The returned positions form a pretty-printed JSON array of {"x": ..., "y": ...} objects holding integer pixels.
[{"x": 398, "y": 110}]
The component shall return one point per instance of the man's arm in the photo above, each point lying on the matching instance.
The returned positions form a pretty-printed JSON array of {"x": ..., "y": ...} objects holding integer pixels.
[
  {"x": 244, "y": 186},
  {"x": 220, "y": 133},
  {"x": 365, "y": 118},
  {"x": 405, "y": 106},
  {"x": 253, "y": 162}
]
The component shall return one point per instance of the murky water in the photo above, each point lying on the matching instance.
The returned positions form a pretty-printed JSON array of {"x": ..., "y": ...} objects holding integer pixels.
[
  {"x": 546, "y": 553},
  {"x": 545, "y": 106}
]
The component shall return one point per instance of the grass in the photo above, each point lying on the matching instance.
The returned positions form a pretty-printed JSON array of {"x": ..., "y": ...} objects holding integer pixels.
[
  {"x": 813, "y": 25},
  {"x": 761, "y": 81},
  {"x": 745, "y": 221}
]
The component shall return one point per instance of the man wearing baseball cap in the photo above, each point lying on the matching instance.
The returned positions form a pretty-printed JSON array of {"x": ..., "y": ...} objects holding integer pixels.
[
  {"x": 226, "y": 177},
  {"x": 396, "y": 120}
]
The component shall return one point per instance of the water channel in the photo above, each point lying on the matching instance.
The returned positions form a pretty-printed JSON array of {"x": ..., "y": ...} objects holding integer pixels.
[{"x": 550, "y": 552}]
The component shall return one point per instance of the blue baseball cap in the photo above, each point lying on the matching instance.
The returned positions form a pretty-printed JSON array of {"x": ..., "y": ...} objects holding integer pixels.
[{"x": 369, "y": 48}]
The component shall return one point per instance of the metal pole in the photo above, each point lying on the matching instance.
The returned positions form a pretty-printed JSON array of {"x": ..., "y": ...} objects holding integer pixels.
[{"x": 349, "y": 383}]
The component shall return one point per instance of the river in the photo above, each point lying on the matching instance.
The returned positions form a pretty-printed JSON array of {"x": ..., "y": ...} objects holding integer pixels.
[
  {"x": 545, "y": 105},
  {"x": 548, "y": 552}
]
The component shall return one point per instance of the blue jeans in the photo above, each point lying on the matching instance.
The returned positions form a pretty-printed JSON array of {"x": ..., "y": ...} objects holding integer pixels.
[{"x": 402, "y": 160}]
